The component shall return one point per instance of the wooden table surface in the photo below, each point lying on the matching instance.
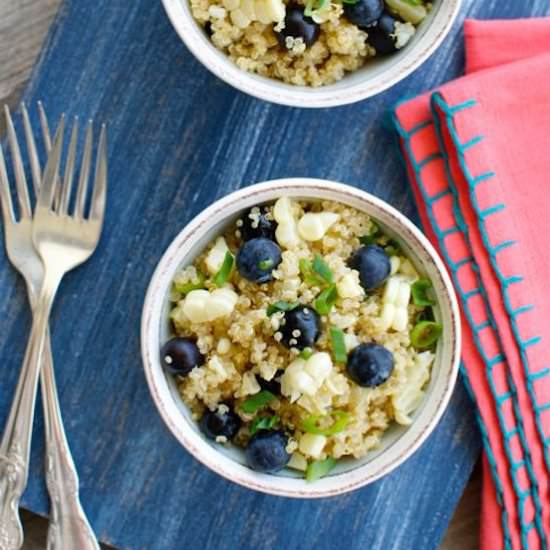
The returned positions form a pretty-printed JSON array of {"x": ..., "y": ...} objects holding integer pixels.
[{"x": 23, "y": 27}]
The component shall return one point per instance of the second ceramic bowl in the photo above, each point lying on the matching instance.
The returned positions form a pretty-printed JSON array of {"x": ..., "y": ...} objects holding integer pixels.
[
  {"x": 374, "y": 77},
  {"x": 398, "y": 442}
]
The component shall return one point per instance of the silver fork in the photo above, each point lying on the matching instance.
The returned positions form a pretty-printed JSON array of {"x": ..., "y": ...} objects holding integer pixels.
[{"x": 69, "y": 528}]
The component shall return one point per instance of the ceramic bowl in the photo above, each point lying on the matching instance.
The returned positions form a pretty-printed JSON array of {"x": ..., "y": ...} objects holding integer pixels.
[
  {"x": 398, "y": 442},
  {"x": 376, "y": 76}
]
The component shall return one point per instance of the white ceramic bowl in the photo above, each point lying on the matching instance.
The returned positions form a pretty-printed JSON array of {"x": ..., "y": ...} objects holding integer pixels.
[
  {"x": 398, "y": 442},
  {"x": 376, "y": 76}
]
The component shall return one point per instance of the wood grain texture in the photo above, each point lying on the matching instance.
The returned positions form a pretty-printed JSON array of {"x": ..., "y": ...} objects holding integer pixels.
[
  {"x": 23, "y": 27},
  {"x": 178, "y": 139}
]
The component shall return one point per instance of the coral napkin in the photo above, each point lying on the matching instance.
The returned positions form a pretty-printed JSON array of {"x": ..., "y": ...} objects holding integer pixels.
[{"x": 478, "y": 157}]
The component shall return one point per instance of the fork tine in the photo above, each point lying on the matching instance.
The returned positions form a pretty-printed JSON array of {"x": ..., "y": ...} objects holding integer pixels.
[
  {"x": 50, "y": 178},
  {"x": 19, "y": 172},
  {"x": 31, "y": 146},
  {"x": 84, "y": 173},
  {"x": 5, "y": 197},
  {"x": 99, "y": 195},
  {"x": 69, "y": 170},
  {"x": 46, "y": 135}
]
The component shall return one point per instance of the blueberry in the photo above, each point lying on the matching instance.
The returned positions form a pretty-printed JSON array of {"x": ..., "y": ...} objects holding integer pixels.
[
  {"x": 180, "y": 356},
  {"x": 373, "y": 265},
  {"x": 255, "y": 224},
  {"x": 370, "y": 365},
  {"x": 214, "y": 424},
  {"x": 301, "y": 328},
  {"x": 266, "y": 451},
  {"x": 382, "y": 37},
  {"x": 298, "y": 25},
  {"x": 272, "y": 385},
  {"x": 257, "y": 259},
  {"x": 364, "y": 13}
]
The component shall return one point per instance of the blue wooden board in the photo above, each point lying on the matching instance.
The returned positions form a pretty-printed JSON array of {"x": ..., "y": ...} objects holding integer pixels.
[{"x": 179, "y": 138}]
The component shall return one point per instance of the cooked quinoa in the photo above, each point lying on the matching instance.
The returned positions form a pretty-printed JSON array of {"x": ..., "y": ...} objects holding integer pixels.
[
  {"x": 308, "y": 42},
  {"x": 242, "y": 368}
]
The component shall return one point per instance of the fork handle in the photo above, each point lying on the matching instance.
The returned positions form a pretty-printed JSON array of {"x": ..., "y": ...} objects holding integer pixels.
[
  {"x": 16, "y": 439},
  {"x": 69, "y": 528}
]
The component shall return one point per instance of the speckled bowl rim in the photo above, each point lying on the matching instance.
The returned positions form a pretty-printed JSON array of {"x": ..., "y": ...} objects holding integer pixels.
[
  {"x": 299, "y": 96},
  {"x": 197, "y": 445}
]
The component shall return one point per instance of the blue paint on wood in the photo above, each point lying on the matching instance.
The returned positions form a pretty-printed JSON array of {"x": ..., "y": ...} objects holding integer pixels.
[{"x": 178, "y": 139}]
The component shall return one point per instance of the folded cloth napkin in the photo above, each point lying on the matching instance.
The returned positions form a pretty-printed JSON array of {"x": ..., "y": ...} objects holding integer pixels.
[{"x": 478, "y": 158}]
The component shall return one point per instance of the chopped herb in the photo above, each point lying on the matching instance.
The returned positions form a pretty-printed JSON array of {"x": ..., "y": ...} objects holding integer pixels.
[
  {"x": 257, "y": 402},
  {"x": 223, "y": 274},
  {"x": 419, "y": 291},
  {"x": 306, "y": 353},
  {"x": 306, "y": 269},
  {"x": 262, "y": 423},
  {"x": 186, "y": 288},
  {"x": 319, "y": 468},
  {"x": 338, "y": 345},
  {"x": 281, "y": 305},
  {"x": 340, "y": 420},
  {"x": 392, "y": 248},
  {"x": 314, "y": 6},
  {"x": 413, "y": 2},
  {"x": 373, "y": 234},
  {"x": 325, "y": 300},
  {"x": 425, "y": 334},
  {"x": 264, "y": 265},
  {"x": 322, "y": 269}
]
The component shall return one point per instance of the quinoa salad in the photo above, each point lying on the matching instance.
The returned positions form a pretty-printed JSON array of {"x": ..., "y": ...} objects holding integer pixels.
[
  {"x": 301, "y": 335},
  {"x": 308, "y": 42}
]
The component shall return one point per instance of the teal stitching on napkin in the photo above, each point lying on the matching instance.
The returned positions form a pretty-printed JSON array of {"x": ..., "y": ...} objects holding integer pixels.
[
  {"x": 505, "y": 282},
  {"x": 406, "y": 136},
  {"x": 439, "y": 102}
]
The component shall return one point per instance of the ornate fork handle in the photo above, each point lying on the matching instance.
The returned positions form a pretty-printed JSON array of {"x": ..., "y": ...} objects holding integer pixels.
[
  {"x": 13, "y": 476},
  {"x": 69, "y": 528},
  {"x": 16, "y": 440}
]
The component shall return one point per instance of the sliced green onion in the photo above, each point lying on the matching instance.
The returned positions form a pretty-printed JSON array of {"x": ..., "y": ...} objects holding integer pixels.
[
  {"x": 264, "y": 265},
  {"x": 322, "y": 269},
  {"x": 338, "y": 345},
  {"x": 325, "y": 300},
  {"x": 186, "y": 288},
  {"x": 315, "y": 6},
  {"x": 257, "y": 402},
  {"x": 340, "y": 420},
  {"x": 425, "y": 334},
  {"x": 392, "y": 248},
  {"x": 319, "y": 468},
  {"x": 374, "y": 232},
  {"x": 414, "y": 2},
  {"x": 306, "y": 353},
  {"x": 419, "y": 291},
  {"x": 306, "y": 269},
  {"x": 281, "y": 305},
  {"x": 223, "y": 274},
  {"x": 262, "y": 423}
]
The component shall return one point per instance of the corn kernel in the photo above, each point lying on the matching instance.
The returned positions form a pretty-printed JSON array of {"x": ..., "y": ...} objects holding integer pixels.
[
  {"x": 312, "y": 227},
  {"x": 312, "y": 444},
  {"x": 400, "y": 319},
  {"x": 348, "y": 286},
  {"x": 297, "y": 462},
  {"x": 216, "y": 256}
]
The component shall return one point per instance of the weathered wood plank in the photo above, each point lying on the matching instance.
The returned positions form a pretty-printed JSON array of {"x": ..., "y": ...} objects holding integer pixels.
[
  {"x": 178, "y": 139},
  {"x": 23, "y": 27}
]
